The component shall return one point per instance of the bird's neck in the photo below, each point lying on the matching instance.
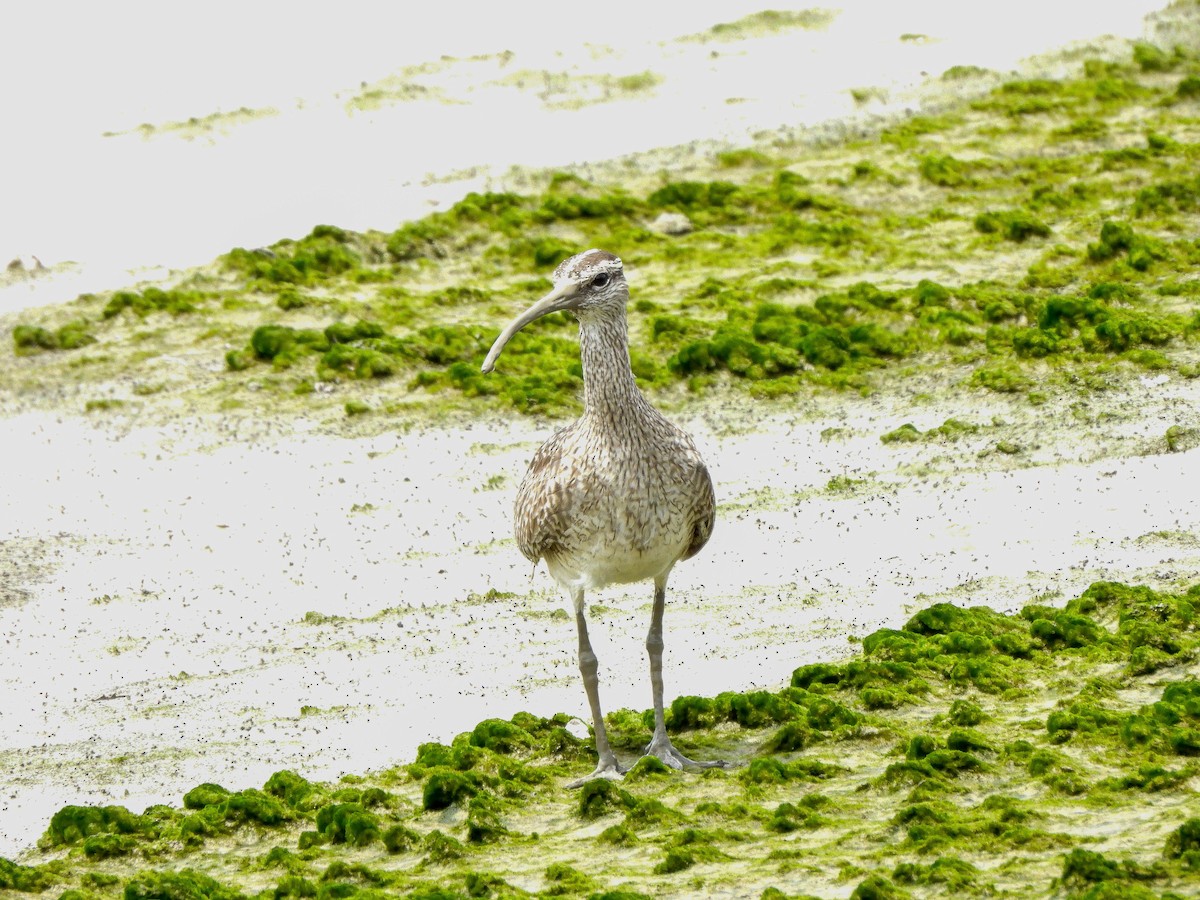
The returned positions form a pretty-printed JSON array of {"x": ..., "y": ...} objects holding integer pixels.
[{"x": 609, "y": 389}]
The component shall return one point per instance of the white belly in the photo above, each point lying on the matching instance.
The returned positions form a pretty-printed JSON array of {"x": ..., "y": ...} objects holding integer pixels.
[{"x": 604, "y": 562}]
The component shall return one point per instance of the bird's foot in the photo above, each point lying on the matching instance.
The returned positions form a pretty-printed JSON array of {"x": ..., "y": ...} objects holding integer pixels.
[
  {"x": 609, "y": 771},
  {"x": 664, "y": 751}
]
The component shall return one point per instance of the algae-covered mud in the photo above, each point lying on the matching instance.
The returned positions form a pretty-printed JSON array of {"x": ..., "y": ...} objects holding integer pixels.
[
  {"x": 256, "y": 554},
  {"x": 1050, "y": 752},
  {"x": 1041, "y": 235}
]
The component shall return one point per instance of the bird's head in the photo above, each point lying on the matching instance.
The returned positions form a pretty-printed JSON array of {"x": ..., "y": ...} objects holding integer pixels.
[{"x": 591, "y": 281}]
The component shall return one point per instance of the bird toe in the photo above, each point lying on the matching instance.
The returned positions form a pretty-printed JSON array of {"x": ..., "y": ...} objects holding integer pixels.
[
  {"x": 610, "y": 772},
  {"x": 664, "y": 751}
]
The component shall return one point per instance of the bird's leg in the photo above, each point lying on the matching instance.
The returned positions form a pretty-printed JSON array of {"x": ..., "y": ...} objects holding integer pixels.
[
  {"x": 660, "y": 745},
  {"x": 607, "y": 766}
]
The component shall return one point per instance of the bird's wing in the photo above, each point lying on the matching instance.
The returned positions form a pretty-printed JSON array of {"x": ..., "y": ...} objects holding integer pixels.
[
  {"x": 704, "y": 511},
  {"x": 544, "y": 500}
]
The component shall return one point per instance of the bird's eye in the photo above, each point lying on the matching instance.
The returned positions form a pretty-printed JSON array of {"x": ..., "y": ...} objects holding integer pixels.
[{"x": 601, "y": 280}]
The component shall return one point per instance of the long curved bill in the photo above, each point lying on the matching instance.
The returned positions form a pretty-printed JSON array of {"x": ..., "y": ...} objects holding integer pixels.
[{"x": 562, "y": 297}]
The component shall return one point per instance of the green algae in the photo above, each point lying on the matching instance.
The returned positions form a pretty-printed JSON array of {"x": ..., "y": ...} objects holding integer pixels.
[
  {"x": 415, "y": 309},
  {"x": 324, "y": 253},
  {"x": 441, "y": 848},
  {"x": 956, "y": 874},
  {"x": 186, "y": 883},
  {"x": 152, "y": 300},
  {"x": 906, "y": 433},
  {"x": 1014, "y": 225},
  {"x": 294, "y": 790},
  {"x": 998, "y": 824},
  {"x": 976, "y": 646},
  {"x": 688, "y": 848},
  {"x": 945, "y": 171},
  {"x": 878, "y": 887},
  {"x": 598, "y": 798},
  {"x": 1119, "y": 240},
  {"x": 26, "y": 879},
  {"x": 648, "y": 767},
  {"x": 71, "y": 336},
  {"x": 767, "y": 21},
  {"x": 1184, "y": 843},
  {"x": 348, "y": 823},
  {"x": 196, "y": 126},
  {"x": 105, "y": 846},
  {"x": 74, "y": 823},
  {"x": 445, "y": 788},
  {"x": 205, "y": 795}
]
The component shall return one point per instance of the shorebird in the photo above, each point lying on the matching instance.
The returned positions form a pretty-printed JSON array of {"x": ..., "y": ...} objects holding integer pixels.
[{"x": 620, "y": 495}]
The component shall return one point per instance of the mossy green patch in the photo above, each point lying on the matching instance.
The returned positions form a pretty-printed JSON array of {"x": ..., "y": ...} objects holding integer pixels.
[
  {"x": 975, "y": 646},
  {"x": 1184, "y": 843},
  {"x": 956, "y": 874},
  {"x": 26, "y": 879},
  {"x": 771, "y": 20},
  {"x": 945, "y": 171},
  {"x": 326, "y": 252},
  {"x": 152, "y": 300},
  {"x": 878, "y": 887},
  {"x": 441, "y": 848},
  {"x": 205, "y": 795},
  {"x": 400, "y": 839},
  {"x": 648, "y": 767},
  {"x": 996, "y": 825},
  {"x": 601, "y": 797},
  {"x": 294, "y": 790},
  {"x": 348, "y": 823},
  {"x": 74, "y": 823},
  {"x": 105, "y": 846},
  {"x": 905, "y": 434},
  {"x": 1120, "y": 240},
  {"x": 445, "y": 787},
  {"x": 71, "y": 336},
  {"x": 185, "y": 884},
  {"x": 501, "y": 736},
  {"x": 771, "y": 770},
  {"x": 1013, "y": 225}
]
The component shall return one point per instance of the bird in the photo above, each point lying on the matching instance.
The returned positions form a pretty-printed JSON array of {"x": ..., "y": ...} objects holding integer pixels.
[{"x": 620, "y": 495}]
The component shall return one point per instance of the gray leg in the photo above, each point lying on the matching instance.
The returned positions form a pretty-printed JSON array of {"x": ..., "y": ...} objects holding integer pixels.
[
  {"x": 607, "y": 766},
  {"x": 660, "y": 745},
  {"x": 654, "y": 648}
]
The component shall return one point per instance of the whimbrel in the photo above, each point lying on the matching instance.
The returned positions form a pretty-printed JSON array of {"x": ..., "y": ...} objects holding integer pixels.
[{"x": 620, "y": 495}]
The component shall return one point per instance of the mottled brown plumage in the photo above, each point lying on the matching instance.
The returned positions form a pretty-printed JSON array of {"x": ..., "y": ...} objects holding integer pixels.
[{"x": 620, "y": 495}]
